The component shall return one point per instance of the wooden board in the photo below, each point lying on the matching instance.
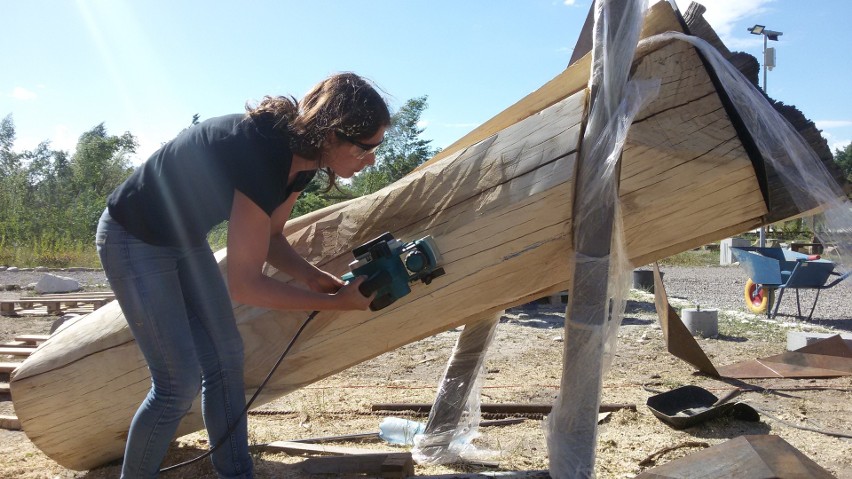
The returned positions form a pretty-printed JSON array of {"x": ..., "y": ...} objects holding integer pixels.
[
  {"x": 8, "y": 367},
  {"x": 16, "y": 350},
  {"x": 55, "y": 304}
]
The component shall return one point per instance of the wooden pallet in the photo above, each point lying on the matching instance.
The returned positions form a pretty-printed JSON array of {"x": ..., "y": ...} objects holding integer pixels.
[
  {"x": 8, "y": 367},
  {"x": 10, "y": 422},
  {"x": 55, "y": 304}
]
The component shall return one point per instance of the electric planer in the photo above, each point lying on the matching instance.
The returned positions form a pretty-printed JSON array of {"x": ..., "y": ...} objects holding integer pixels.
[{"x": 390, "y": 265}]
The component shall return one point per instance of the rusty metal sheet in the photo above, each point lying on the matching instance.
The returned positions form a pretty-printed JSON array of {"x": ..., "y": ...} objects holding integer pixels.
[
  {"x": 679, "y": 340},
  {"x": 744, "y": 457},
  {"x": 828, "y": 358}
]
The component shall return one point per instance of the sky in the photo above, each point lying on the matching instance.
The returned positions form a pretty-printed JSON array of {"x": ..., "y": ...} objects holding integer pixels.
[{"x": 146, "y": 67}]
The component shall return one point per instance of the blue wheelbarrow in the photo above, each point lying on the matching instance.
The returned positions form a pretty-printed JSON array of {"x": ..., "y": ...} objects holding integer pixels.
[{"x": 777, "y": 269}]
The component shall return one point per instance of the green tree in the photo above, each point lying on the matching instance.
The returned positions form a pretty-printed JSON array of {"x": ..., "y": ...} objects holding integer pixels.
[
  {"x": 843, "y": 158},
  {"x": 100, "y": 163},
  {"x": 9, "y": 161},
  {"x": 12, "y": 183},
  {"x": 402, "y": 151}
]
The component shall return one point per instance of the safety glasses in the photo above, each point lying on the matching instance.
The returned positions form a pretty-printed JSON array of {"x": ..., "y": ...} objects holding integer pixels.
[{"x": 365, "y": 148}]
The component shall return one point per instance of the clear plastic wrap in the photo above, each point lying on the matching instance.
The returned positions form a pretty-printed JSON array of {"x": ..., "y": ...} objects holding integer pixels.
[
  {"x": 454, "y": 419},
  {"x": 600, "y": 270},
  {"x": 803, "y": 175},
  {"x": 589, "y": 346}
]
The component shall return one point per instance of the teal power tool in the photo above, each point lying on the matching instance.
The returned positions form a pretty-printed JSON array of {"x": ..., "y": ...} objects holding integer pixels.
[{"x": 388, "y": 275}]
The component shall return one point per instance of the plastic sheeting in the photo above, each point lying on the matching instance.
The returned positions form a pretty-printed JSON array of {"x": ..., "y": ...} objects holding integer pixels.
[
  {"x": 454, "y": 419},
  {"x": 800, "y": 170},
  {"x": 600, "y": 271},
  {"x": 571, "y": 430}
]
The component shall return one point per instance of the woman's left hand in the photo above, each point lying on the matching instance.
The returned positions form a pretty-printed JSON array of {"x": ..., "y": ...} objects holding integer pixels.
[{"x": 325, "y": 282}]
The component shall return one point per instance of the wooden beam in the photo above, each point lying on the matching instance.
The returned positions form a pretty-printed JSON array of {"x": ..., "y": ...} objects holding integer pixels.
[
  {"x": 387, "y": 465},
  {"x": 491, "y": 212},
  {"x": 572, "y": 424},
  {"x": 457, "y": 384},
  {"x": 32, "y": 338},
  {"x": 16, "y": 350},
  {"x": 8, "y": 367},
  {"x": 10, "y": 422},
  {"x": 301, "y": 448}
]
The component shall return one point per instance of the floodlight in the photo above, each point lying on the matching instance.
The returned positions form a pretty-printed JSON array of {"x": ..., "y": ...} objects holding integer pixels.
[{"x": 756, "y": 30}]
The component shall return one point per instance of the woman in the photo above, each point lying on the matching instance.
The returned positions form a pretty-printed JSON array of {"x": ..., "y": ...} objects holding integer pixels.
[{"x": 248, "y": 169}]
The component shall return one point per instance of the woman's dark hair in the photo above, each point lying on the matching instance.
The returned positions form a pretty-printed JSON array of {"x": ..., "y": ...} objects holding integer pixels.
[{"x": 344, "y": 102}]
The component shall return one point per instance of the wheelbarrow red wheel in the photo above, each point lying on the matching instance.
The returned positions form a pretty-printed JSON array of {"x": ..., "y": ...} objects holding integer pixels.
[{"x": 756, "y": 297}]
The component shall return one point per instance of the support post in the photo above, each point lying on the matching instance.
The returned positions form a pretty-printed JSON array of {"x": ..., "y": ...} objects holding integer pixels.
[
  {"x": 572, "y": 425},
  {"x": 444, "y": 423}
]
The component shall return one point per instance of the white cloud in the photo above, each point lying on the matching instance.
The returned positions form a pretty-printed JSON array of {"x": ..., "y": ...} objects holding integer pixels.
[
  {"x": 21, "y": 93},
  {"x": 840, "y": 145},
  {"x": 570, "y": 3},
  {"x": 825, "y": 124},
  {"x": 727, "y": 17},
  {"x": 61, "y": 139}
]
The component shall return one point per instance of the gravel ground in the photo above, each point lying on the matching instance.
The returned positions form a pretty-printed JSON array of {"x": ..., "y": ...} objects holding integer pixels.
[
  {"x": 722, "y": 287},
  {"x": 90, "y": 280}
]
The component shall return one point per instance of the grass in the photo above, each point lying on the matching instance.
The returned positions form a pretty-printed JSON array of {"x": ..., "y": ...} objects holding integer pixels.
[
  {"x": 82, "y": 255},
  {"x": 697, "y": 257}
]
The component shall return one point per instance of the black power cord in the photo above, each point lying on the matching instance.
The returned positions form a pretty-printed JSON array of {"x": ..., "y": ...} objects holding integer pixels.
[{"x": 249, "y": 403}]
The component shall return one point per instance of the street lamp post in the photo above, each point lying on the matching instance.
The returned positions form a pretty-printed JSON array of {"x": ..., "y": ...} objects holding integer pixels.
[{"x": 768, "y": 64}]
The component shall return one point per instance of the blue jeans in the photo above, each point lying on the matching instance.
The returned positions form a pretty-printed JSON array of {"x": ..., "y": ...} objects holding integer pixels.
[{"x": 177, "y": 306}]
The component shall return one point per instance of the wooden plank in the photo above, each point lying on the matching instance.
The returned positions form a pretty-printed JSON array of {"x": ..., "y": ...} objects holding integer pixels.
[
  {"x": 70, "y": 296},
  {"x": 39, "y": 306},
  {"x": 302, "y": 448},
  {"x": 10, "y": 422},
  {"x": 496, "y": 408},
  {"x": 358, "y": 437},
  {"x": 395, "y": 464},
  {"x": 32, "y": 338},
  {"x": 16, "y": 351},
  {"x": 7, "y": 367},
  {"x": 572, "y": 426},
  {"x": 457, "y": 382},
  {"x": 683, "y": 145}
]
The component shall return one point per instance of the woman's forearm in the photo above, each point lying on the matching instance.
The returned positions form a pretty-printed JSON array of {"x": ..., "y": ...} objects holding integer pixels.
[{"x": 284, "y": 258}]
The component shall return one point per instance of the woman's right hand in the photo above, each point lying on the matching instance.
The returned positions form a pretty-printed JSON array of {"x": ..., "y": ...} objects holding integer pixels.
[{"x": 349, "y": 297}]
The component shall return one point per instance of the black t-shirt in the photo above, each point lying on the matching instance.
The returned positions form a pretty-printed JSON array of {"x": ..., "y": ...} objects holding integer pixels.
[{"x": 187, "y": 187}]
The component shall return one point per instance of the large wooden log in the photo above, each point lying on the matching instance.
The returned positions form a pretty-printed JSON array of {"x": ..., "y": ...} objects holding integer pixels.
[
  {"x": 500, "y": 212},
  {"x": 491, "y": 212}
]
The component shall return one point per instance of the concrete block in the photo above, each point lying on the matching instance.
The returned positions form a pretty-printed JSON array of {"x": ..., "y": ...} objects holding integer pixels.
[
  {"x": 701, "y": 322},
  {"x": 800, "y": 339},
  {"x": 725, "y": 255}
]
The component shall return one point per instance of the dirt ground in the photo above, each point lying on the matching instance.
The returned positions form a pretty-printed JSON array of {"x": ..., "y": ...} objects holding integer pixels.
[{"x": 523, "y": 365}]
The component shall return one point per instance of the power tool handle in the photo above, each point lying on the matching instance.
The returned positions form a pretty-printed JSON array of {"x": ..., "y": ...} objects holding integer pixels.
[{"x": 375, "y": 283}]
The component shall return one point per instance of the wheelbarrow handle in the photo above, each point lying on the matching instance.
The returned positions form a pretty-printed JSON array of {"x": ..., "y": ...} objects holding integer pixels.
[{"x": 841, "y": 278}]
